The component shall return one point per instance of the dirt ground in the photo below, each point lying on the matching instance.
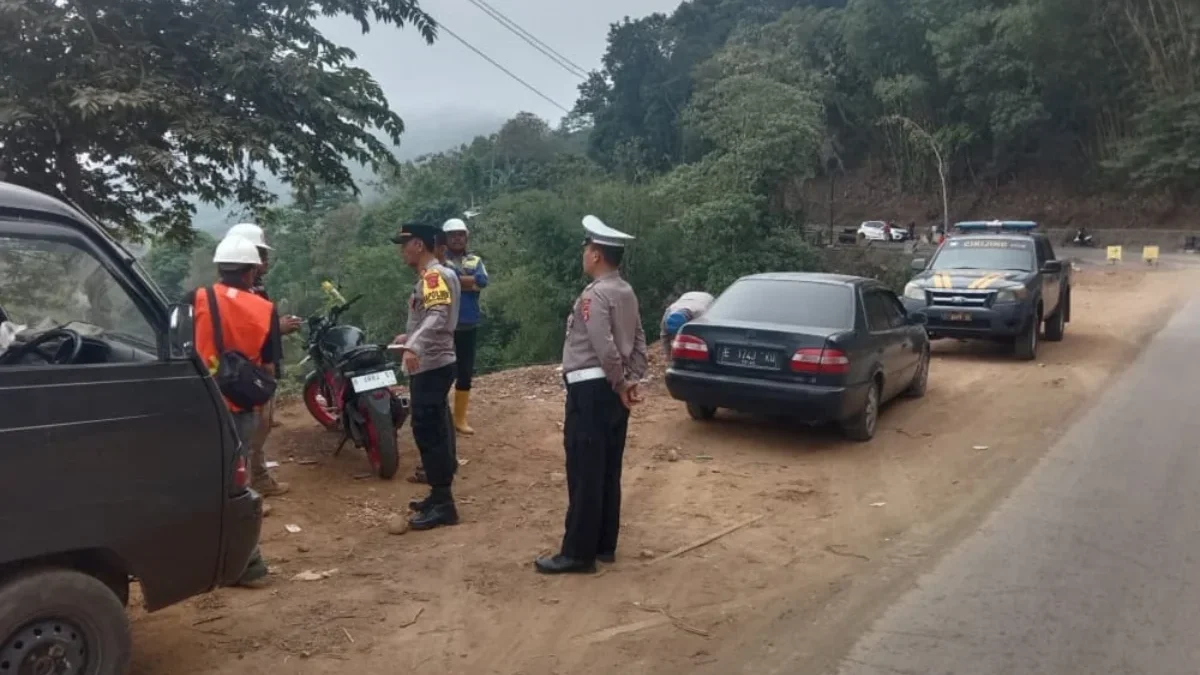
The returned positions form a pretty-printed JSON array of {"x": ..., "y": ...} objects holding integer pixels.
[{"x": 466, "y": 599}]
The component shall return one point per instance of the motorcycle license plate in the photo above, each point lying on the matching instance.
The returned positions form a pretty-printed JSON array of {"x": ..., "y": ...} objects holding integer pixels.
[{"x": 379, "y": 380}]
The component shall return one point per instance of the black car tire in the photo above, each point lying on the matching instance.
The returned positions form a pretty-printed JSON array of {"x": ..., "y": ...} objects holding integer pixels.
[
  {"x": 383, "y": 426},
  {"x": 66, "y": 611},
  {"x": 701, "y": 413},
  {"x": 916, "y": 389},
  {"x": 1056, "y": 326},
  {"x": 1025, "y": 344},
  {"x": 862, "y": 426}
]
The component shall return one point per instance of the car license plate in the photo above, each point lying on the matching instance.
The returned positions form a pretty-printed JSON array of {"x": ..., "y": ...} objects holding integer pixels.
[
  {"x": 748, "y": 357},
  {"x": 379, "y": 380},
  {"x": 958, "y": 316}
]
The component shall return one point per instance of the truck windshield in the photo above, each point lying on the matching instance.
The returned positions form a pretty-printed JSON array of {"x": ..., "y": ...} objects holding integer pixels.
[
  {"x": 985, "y": 254},
  {"x": 47, "y": 283}
]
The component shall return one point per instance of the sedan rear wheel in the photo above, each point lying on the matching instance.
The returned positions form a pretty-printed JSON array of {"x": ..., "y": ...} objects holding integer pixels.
[
  {"x": 701, "y": 413},
  {"x": 861, "y": 427},
  {"x": 921, "y": 378}
]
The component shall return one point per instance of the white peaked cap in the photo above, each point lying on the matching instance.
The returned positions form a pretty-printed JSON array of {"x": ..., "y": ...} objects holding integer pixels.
[
  {"x": 604, "y": 235},
  {"x": 237, "y": 251},
  {"x": 454, "y": 225},
  {"x": 249, "y": 231}
]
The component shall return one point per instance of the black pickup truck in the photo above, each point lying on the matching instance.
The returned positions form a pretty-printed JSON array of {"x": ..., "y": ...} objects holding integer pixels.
[
  {"x": 118, "y": 457},
  {"x": 996, "y": 280}
]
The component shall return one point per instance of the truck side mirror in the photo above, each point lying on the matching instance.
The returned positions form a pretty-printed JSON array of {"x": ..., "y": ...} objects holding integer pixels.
[
  {"x": 181, "y": 333},
  {"x": 918, "y": 264},
  {"x": 1052, "y": 267}
]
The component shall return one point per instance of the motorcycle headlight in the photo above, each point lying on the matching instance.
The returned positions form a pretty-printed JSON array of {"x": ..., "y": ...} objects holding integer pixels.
[
  {"x": 914, "y": 291},
  {"x": 1012, "y": 294}
]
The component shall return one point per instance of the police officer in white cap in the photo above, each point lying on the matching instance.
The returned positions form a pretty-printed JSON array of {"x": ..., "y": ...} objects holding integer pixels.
[{"x": 604, "y": 358}]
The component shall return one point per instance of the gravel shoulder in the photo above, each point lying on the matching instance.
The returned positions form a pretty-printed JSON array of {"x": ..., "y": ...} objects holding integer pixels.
[{"x": 841, "y": 527}]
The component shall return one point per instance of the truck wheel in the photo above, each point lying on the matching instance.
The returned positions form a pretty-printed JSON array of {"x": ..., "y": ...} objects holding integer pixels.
[
  {"x": 920, "y": 379},
  {"x": 63, "y": 622},
  {"x": 701, "y": 413},
  {"x": 1056, "y": 326},
  {"x": 861, "y": 427},
  {"x": 1026, "y": 343}
]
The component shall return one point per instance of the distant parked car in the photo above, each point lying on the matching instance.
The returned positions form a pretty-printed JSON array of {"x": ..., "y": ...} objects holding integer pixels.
[
  {"x": 877, "y": 230},
  {"x": 816, "y": 347}
]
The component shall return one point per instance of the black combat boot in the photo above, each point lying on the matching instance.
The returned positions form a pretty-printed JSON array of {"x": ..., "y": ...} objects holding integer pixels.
[
  {"x": 438, "y": 510},
  {"x": 561, "y": 564}
]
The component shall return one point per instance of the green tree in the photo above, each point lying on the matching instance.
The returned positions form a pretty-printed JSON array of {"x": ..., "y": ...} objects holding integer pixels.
[
  {"x": 170, "y": 262},
  {"x": 134, "y": 109}
]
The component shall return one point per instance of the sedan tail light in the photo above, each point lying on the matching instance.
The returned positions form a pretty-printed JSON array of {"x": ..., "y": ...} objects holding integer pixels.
[
  {"x": 820, "y": 361},
  {"x": 690, "y": 348}
]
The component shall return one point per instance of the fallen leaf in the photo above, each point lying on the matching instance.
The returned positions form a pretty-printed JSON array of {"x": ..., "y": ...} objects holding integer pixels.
[
  {"x": 294, "y": 529},
  {"x": 980, "y": 447},
  {"x": 878, "y": 504}
]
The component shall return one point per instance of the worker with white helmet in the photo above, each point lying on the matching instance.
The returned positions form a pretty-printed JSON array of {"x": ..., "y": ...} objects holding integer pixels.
[
  {"x": 261, "y": 478},
  {"x": 472, "y": 276},
  {"x": 230, "y": 317}
]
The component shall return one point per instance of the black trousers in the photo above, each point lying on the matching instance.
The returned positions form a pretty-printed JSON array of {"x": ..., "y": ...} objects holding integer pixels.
[
  {"x": 464, "y": 355},
  {"x": 594, "y": 438},
  {"x": 432, "y": 429}
]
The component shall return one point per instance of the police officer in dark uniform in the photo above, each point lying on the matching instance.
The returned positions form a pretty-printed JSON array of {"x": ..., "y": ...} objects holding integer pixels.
[
  {"x": 604, "y": 358},
  {"x": 429, "y": 361}
]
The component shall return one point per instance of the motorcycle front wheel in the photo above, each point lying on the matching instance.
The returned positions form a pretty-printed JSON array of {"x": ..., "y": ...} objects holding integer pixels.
[
  {"x": 322, "y": 398},
  {"x": 380, "y": 440}
]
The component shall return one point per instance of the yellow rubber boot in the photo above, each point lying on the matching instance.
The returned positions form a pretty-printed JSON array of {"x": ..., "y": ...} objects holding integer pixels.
[{"x": 461, "y": 399}]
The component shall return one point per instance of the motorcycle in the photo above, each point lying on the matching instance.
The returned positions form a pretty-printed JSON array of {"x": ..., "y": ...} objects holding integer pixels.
[
  {"x": 1082, "y": 238},
  {"x": 350, "y": 388}
]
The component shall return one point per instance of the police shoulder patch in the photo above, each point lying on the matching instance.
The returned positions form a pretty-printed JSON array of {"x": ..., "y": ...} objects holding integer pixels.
[
  {"x": 585, "y": 308},
  {"x": 434, "y": 291}
]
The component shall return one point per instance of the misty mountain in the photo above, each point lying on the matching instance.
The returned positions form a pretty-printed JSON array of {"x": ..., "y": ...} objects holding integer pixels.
[{"x": 425, "y": 132}]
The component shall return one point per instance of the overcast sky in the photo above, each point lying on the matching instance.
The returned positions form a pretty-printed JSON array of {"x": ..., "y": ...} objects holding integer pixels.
[{"x": 448, "y": 76}]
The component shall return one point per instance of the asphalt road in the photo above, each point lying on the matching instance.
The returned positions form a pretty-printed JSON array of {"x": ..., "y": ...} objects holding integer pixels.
[{"x": 1092, "y": 565}]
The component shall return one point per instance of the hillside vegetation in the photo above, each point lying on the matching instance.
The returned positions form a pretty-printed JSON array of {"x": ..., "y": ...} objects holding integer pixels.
[{"x": 703, "y": 134}]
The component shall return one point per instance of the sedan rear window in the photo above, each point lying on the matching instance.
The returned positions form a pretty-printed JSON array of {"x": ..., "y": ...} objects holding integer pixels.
[{"x": 799, "y": 303}]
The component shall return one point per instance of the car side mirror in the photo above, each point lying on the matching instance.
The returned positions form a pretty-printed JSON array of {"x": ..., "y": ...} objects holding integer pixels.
[
  {"x": 918, "y": 264},
  {"x": 1052, "y": 267},
  {"x": 181, "y": 333},
  {"x": 918, "y": 318}
]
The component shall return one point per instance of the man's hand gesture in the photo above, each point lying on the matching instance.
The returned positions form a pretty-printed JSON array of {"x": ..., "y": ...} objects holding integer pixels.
[{"x": 629, "y": 397}]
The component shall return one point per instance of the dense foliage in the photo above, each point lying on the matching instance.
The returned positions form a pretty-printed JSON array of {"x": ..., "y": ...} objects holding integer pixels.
[
  {"x": 695, "y": 135},
  {"x": 135, "y": 109}
]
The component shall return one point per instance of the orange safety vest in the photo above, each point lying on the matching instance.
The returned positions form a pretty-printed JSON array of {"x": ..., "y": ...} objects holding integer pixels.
[{"x": 245, "y": 325}]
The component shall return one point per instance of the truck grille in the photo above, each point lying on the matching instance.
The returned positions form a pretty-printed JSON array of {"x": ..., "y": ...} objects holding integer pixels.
[{"x": 960, "y": 298}]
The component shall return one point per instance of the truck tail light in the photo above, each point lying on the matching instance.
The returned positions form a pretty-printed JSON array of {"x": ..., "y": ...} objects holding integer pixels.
[
  {"x": 689, "y": 348},
  {"x": 820, "y": 361},
  {"x": 241, "y": 476}
]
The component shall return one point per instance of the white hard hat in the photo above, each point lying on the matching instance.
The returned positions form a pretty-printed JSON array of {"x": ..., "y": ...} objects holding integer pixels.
[
  {"x": 249, "y": 231},
  {"x": 236, "y": 250},
  {"x": 454, "y": 225}
]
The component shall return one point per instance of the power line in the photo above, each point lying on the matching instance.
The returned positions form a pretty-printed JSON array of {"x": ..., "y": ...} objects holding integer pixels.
[
  {"x": 506, "y": 71},
  {"x": 516, "y": 29}
]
